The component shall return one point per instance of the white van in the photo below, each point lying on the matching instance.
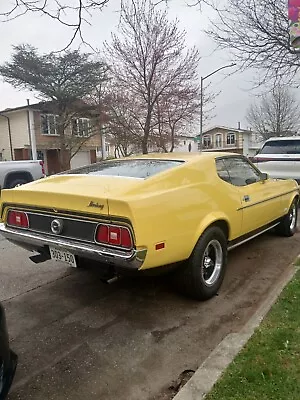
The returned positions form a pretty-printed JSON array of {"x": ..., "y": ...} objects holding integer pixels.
[{"x": 279, "y": 157}]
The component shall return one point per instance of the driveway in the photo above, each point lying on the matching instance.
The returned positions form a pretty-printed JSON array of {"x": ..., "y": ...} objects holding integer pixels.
[{"x": 78, "y": 338}]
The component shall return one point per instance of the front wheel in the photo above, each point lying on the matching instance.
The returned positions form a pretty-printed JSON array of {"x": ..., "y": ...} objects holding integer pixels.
[
  {"x": 204, "y": 272},
  {"x": 288, "y": 224}
]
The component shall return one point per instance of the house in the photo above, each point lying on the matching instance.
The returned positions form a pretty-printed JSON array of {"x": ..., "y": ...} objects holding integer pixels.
[
  {"x": 221, "y": 138},
  {"x": 32, "y": 130}
]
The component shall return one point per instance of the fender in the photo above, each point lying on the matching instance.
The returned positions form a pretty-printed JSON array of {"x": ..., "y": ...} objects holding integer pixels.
[{"x": 209, "y": 220}]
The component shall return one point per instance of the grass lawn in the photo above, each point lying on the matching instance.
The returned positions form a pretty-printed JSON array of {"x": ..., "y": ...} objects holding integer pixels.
[{"x": 269, "y": 366}]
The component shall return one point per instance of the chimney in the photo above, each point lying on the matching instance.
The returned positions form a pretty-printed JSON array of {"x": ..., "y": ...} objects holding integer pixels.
[{"x": 239, "y": 125}]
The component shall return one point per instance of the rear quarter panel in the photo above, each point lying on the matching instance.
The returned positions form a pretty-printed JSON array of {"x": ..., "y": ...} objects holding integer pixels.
[{"x": 175, "y": 208}]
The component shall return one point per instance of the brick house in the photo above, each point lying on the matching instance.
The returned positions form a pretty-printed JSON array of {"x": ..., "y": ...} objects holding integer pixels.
[
  {"x": 35, "y": 127},
  {"x": 220, "y": 138}
]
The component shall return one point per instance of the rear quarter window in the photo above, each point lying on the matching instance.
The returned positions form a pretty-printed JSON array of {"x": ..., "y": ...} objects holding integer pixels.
[
  {"x": 128, "y": 168},
  {"x": 281, "y": 147}
]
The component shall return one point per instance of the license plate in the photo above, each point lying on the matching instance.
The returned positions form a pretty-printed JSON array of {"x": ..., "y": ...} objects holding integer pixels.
[{"x": 62, "y": 256}]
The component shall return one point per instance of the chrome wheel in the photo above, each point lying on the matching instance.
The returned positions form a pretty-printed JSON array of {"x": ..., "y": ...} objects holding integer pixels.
[
  {"x": 293, "y": 217},
  {"x": 212, "y": 262}
]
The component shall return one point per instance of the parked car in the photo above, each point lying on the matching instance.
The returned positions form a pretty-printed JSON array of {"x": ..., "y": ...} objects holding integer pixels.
[
  {"x": 280, "y": 158},
  {"x": 8, "y": 359},
  {"x": 145, "y": 213},
  {"x": 16, "y": 173}
]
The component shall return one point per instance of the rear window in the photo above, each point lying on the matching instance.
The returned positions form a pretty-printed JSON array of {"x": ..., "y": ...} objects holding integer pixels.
[
  {"x": 281, "y": 147},
  {"x": 128, "y": 168}
]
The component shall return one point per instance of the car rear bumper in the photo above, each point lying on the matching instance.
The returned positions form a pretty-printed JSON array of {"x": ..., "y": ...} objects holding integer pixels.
[{"x": 33, "y": 241}]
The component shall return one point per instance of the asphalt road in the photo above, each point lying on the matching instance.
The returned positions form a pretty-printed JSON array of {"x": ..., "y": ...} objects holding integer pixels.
[{"x": 78, "y": 338}]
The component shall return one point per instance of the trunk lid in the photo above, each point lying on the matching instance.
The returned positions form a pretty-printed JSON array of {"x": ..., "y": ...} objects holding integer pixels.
[{"x": 80, "y": 193}]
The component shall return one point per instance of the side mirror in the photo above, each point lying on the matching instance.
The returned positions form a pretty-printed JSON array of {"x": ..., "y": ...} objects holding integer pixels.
[{"x": 264, "y": 176}]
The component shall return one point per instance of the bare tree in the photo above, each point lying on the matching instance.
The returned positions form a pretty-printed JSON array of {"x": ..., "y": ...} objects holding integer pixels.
[
  {"x": 173, "y": 114},
  {"x": 74, "y": 14},
  {"x": 257, "y": 34},
  {"x": 64, "y": 79},
  {"x": 148, "y": 60},
  {"x": 277, "y": 114}
]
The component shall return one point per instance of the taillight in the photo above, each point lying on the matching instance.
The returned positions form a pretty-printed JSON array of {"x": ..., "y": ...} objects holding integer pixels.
[
  {"x": 114, "y": 235},
  {"x": 261, "y": 160},
  {"x": 43, "y": 167},
  {"x": 18, "y": 218}
]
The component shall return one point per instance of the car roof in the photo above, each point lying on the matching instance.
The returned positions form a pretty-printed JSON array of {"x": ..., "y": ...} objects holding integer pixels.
[
  {"x": 183, "y": 156},
  {"x": 283, "y": 138}
]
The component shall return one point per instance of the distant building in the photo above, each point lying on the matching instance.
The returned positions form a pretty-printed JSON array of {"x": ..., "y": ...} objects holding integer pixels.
[
  {"x": 220, "y": 138},
  {"x": 35, "y": 126}
]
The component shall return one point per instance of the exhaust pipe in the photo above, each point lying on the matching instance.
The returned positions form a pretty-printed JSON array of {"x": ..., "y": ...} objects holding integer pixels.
[{"x": 110, "y": 281}]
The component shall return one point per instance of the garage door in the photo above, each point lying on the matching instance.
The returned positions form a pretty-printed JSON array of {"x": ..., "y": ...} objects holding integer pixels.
[{"x": 80, "y": 159}]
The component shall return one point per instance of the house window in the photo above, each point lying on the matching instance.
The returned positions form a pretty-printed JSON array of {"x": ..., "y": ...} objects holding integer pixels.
[
  {"x": 206, "y": 141},
  {"x": 49, "y": 124},
  {"x": 231, "y": 138},
  {"x": 218, "y": 140},
  {"x": 81, "y": 127},
  {"x": 1, "y": 159},
  {"x": 107, "y": 148}
]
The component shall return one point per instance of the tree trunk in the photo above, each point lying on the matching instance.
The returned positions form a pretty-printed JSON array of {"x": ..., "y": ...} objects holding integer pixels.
[{"x": 146, "y": 133}]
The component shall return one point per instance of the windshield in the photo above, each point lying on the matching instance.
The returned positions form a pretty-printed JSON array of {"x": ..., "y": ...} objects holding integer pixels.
[
  {"x": 281, "y": 147},
  {"x": 127, "y": 168}
]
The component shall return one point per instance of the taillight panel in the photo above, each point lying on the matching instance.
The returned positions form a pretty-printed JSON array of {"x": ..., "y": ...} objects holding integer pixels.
[
  {"x": 18, "y": 219},
  {"x": 114, "y": 235}
]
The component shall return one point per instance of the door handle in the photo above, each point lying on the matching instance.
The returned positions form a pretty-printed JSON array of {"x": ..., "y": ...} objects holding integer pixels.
[{"x": 246, "y": 198}]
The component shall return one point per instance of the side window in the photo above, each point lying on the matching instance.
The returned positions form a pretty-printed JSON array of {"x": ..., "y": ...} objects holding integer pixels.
[
  {"x": 222, "y": 170},
  {"x": 241, "y": 171}
]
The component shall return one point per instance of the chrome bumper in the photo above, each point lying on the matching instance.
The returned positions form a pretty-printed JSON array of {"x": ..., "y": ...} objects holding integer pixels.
[{"x": 33, "y": 241}]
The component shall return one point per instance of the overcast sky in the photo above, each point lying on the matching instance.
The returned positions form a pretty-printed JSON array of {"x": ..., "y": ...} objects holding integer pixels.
[{"x": 48, "y": 35}]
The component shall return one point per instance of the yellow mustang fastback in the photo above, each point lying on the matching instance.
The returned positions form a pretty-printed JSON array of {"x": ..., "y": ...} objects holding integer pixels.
[{"x": 145, "y": 212}]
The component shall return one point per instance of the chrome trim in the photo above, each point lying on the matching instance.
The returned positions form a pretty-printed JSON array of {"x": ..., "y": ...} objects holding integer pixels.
[
  {"x": 110, "y": 245},
  {"x": 252, "y": 237},
  {"x": 264, "y": 201},
  {"x": 59, "y": 215},
  {"x": 129, "y": 259}
]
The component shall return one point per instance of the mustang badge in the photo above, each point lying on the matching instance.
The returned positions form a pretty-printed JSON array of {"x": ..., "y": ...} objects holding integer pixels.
[
  {"x": 57, "y": 226},
  {"x": 96, "y": 205}
]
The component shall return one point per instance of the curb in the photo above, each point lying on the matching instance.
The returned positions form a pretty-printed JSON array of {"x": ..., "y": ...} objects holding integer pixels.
[{"x": 212, "y": 368}]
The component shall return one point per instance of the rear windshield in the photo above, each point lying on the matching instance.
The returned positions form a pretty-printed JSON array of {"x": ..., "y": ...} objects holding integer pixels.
[
  {"x": 281, "y": 147},
  {"x": 128, "y": 168}
]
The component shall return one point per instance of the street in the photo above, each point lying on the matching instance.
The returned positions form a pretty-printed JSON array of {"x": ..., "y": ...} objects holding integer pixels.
[{"x": 78, "y": 338}]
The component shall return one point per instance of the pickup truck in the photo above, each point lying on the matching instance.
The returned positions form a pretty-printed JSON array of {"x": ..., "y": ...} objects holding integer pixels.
[{"x": 16, "y": 173}]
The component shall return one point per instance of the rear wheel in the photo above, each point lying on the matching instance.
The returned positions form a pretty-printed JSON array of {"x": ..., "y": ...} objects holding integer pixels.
[
  {"x": 204, "y": 272},
  {"x": 288, "y": 224}
]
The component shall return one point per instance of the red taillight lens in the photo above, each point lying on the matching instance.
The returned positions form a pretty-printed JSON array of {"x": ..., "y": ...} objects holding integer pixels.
[
  {"x": 114, "y": 235},
  {"x": 18, "y": 218},
  {"x": 126, "y": 240},
  {"x": 102, "y": 235}
]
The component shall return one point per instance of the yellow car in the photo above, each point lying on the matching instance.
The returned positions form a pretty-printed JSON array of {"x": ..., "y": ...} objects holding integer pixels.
[{"x": 147, "y": 213}]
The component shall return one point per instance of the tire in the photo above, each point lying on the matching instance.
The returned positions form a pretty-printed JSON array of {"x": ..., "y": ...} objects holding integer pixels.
[
  {"x": 288, "y": 224},
  {"x": 16, "y": 182},
  {"x": 204, "y": 272}
]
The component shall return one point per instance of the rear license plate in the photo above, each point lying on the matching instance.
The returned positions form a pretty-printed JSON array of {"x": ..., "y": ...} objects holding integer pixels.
[{"x": 62, "y": 256}]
